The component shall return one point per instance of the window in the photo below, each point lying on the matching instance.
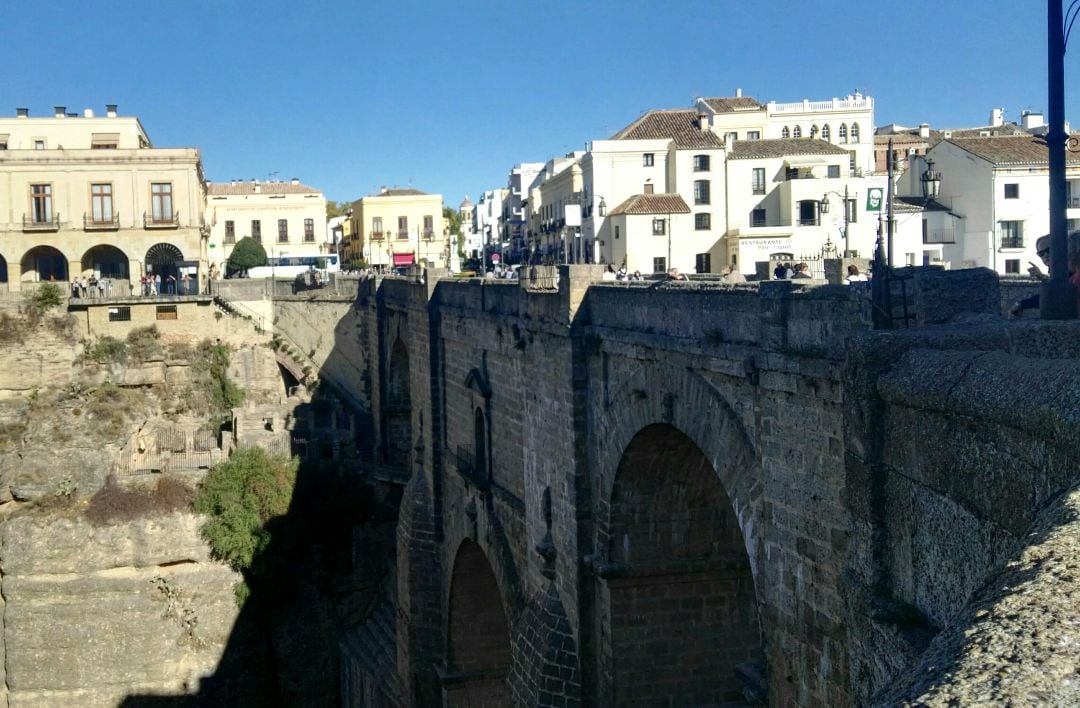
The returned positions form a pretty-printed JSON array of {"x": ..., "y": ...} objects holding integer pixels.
[
  {"x": 853, "y": 164},
  {"x": 480, "y": 444},
  {"x": 376, "y": 226},
  {"x": 41, "y": 203},
  {"x": 119, "y": 314},
  {"x": 161, "y": 206},
  {"x": 702, "y": 222},
  {"x": 230, "y": 232},
  {"x": 1012, "y": 266},
  {"x": 1012, "y": 191},
  {"x": 813, "y": 131},
  {"x": 753, "y": 135},
  {"x": 701, "y": 191},
  {"x": 703, "y": 263},
  {"x": 403, "y": 227},
  {"x": 834, "y": 171},
  {"x": 616, "y": 231},
  {"x": 659, "y": 265},
  {"x": 1012, "y": 234},
  {"x": 826, "y": 132},
  {"x": 166, "y": 312},
  {"x": 851, "y": 212},
  {"x": 659, "y": 227},
  {"x": 854, "y": 132},
  {"x": 39, "y": 144},
  {"x": 757, "y": 217},
  {"x": 701, "y": 163},
  {"x": 256, "y": 230},
  {"x": 731, "y": 136},
  {"x": 647, "y": 159},
  {"x": 757, "y": 180},
  {"x": 3, "y": 141},
  {"x": 309, "y": 230},
  {"x": 785, "y": 133},
  {"x": 101, "y": 203},
  {"x": 429, "y": 227},
  {"x": 842, "y": 132},
  {"x": 104, "y": 141},
  {"x": 282, "y": 230}
]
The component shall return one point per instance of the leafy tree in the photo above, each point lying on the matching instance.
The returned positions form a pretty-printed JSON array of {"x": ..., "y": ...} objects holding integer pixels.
[
  {"x": 336, "y": 208},
  {"x": 247, "y": 253},
  {"x": 454, "y": 217}
]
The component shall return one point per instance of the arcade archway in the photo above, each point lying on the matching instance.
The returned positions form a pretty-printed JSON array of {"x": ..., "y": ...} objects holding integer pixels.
[
  {"x": 44, "y": 263},
  {"x": 683, "y": 610},
  {"x": 106, "y": 262}
]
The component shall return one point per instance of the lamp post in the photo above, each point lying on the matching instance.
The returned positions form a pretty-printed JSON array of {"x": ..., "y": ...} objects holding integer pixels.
[
  {"x": 825, "y": 210},
  {"x": 930, "y": 180},
  {"x": 1057, "y": 297}
]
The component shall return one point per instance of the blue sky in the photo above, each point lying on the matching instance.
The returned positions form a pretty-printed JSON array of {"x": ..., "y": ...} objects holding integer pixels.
[{"x": 448, "y": 96}]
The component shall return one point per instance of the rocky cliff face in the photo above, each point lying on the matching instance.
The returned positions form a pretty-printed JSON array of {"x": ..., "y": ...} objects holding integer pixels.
[{"x": 95, "y": 614}]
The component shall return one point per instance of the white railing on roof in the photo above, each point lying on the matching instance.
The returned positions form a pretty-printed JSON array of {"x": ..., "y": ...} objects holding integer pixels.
[{"x": 851, "y": 103}]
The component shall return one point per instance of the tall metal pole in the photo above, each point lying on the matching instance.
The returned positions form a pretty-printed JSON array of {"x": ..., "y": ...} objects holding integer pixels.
[
  {"x": 1057, "y": 299},
  {"x": 890, "y": 260},
  {"x": 847, "y": 219}
]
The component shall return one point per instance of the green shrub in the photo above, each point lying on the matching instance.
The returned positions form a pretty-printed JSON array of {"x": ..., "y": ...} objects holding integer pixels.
[
  {"x": 240, "y": 497},
  {"x": 143, "y": 343},
  {"x": 47, "y": 296},
  {"x": 110, "y": 406},
  {"x": 211, "y": 363},
  {"x": 106, "y": 350}
]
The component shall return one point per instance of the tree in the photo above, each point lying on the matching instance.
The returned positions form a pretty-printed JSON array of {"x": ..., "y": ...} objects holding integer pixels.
[
  {"x": 453, "y": 217},
  {"x": 247, "y": 253},
  {"x": 337, "y": 208}
]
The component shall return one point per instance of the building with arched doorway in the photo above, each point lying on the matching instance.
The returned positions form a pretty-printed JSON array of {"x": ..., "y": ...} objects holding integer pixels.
[{"x": 83, "y": 194}]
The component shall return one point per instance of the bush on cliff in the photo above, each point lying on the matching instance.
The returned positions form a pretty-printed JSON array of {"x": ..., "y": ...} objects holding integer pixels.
[
  {"x": 240, "y": 498},
  {"x": 116, "y": 504}
]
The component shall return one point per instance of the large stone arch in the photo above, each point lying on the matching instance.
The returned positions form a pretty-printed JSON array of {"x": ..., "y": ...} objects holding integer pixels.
[
  {"x": 42, "y": 263},
  {"x": 678, "y": 543},
  {"x": 397, "y": 409},
  {"x": 106, "y": 260},
  {"x": 164, "y": 259},
  {"x": 3, "y": 269},
  {"x": 479, "y": 653}
]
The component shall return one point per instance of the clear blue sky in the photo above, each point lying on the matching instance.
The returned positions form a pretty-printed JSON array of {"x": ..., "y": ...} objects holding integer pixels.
[{"x": 446, "y": 96}]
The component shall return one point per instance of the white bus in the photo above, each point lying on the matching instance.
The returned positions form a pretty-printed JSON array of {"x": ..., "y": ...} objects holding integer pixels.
[{"x": 292, "y": 266}]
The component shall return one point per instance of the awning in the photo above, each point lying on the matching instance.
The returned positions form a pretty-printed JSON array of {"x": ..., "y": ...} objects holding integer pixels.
[
  {"x": 805, "y": 160},
  {"x": 104, "y": 140},
  {"x": 403, "y": 259}
]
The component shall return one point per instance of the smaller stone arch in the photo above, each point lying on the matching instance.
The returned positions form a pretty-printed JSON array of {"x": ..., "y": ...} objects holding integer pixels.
[
  {"x": 3, "y": 270},
  {"x": 826, "y": 132},
  {"x": 106, "y": 261},
  {"x": 42, "y": 263},
  {"x": 164, "y": 259},
  {"x": 479, "y": 652}
]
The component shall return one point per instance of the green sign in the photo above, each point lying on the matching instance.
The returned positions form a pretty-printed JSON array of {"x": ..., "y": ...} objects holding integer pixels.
[{"x": 874, "y": 197}]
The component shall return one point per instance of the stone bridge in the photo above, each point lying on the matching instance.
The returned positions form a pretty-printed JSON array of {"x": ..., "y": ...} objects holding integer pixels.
[{"x": 684, "y": 494}]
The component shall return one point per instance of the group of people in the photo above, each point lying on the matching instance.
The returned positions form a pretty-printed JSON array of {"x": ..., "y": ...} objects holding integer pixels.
[
  {"x": 791, "y": 271},
  {"x": 1042, "y": 249},
  {"x": 621, "y": 274},
  {"x": 90, "y": 287}
]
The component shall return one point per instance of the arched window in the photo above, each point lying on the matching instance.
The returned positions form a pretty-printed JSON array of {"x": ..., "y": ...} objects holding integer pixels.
[
  {"x": 826, "y": 134},
  {"x": 785, "y": 133},
  {"x": 854, "y": 132},
  {"x": 842, "y": 133},
  {"x": 797, "y": 132},
  {"x": 813, "y": 131}
]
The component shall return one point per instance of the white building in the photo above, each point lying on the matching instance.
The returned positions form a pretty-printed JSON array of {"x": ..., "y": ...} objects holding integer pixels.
[
  {"x": 690, "y": 154},
  {"x": 487, "y": 222},
  {"x": 287, "y": 218},
  {"x": 515, "y": 217},
  {"x": 1000, "y": 187}
]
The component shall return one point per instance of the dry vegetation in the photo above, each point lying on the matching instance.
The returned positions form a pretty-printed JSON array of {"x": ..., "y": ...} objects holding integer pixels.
[{"x": 115, "y": 504}]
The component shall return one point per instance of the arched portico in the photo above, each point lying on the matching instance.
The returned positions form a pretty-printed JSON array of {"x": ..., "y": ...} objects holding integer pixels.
[
  {"x": 165, "y": 259},
  {"x": 479, "y": 653},
  {"x": 107, "y": 262},
  {"x": 43, "y": 263},
  {"x": 3, "y": 270},
  {"x": 678, "y": 543}
]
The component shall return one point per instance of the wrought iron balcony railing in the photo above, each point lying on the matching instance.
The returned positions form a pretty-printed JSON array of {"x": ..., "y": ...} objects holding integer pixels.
[
  {"x": 101, "y": 223},
  {"x": 31, "y": 223},
  {"x": 161, "y": 221}
]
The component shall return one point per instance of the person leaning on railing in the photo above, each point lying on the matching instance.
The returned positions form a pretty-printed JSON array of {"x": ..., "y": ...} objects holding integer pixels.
[{"x": 1042, "y": 249}]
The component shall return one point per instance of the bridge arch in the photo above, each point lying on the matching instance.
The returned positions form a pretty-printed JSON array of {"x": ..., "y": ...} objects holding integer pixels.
[
  {"x": 479, "y": 649},
  {"x": 678, "y": 542},
  {"x": 398, "y": 409}
]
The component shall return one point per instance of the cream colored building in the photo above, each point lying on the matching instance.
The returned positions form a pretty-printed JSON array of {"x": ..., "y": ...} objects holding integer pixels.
[
  {"x": 287, "y": 218},
  {"x": 82, "y": 194},
  {"x": 399, "y": 227}
]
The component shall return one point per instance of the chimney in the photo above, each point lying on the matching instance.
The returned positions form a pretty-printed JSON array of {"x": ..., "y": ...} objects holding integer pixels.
[
  {"x": 1030, "y": 120},
  {"x": 88, "y": 113},
  {"x": 110, "y": 110},
  {"x": 702, "y": 122},
  {"x": 924, "y": 130},
  {"x": 997, "y": 117},
  {"x": 295, "y": 180},
  {"x": 738, "y": 93},
  {"x": 22, "y": 112},
  {"x": 59, "y": 111}
]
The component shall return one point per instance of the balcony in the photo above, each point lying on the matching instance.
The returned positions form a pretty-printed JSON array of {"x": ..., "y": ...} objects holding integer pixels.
[
  {"x": 467, "y": 466},
  {"x": 30, "y": 223},
  {"x": 429, "y": 234},
  {"x": 1012, "y": 241},
  {"x": 403, "y": 234},
  {"x": 1072, "y": 202},
  {"x": 376, "y": 235},
  {"x": 808, "y": 222},
  {"x": 940, "y": 236},
  {"x": 161, "y": 221},
  {"x": 101, "y": 223}
]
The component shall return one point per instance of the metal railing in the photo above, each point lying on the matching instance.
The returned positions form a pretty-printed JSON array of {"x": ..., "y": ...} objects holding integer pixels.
[
  {"x": 92, "y": 223},
  {"x": 808, "y": 222},
  {"x": 940, "y": 236},
  {"x": 31, "y": 223},
  {"x": 161, "y": 221}
]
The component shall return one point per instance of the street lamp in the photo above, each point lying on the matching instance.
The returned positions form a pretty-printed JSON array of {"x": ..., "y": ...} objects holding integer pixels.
[
  {"x": 930, "y": 180},
  {"x": 825, "y": 210}
]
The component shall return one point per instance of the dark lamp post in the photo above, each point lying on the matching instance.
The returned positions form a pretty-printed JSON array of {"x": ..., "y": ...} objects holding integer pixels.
[
  {"x": 602, "y": 207},
  {"x": 823, "y": 207},
  {"x": 931, "y": 181}
]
